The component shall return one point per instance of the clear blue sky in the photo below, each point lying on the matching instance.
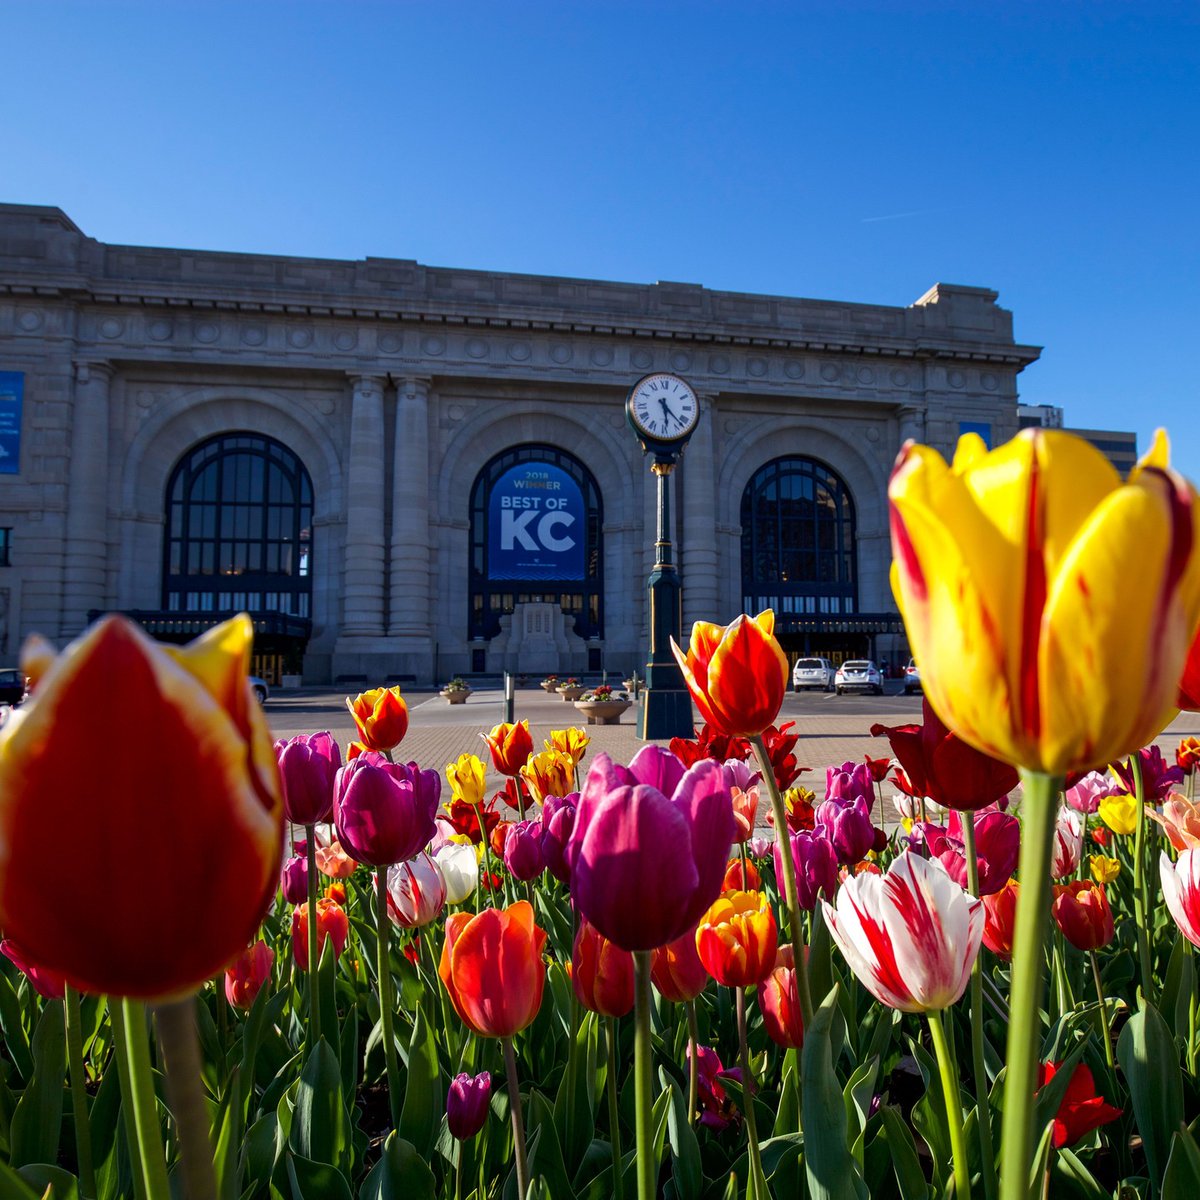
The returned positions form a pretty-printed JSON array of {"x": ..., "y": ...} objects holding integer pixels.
[{"x": 835, "y": 150}]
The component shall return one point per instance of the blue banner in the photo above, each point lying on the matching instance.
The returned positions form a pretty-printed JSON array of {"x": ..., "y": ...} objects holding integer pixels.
[
  {"x": 983, "y": 428},
  {"x": 12, "y": 390},
  {"x": 537, "y": 525}
]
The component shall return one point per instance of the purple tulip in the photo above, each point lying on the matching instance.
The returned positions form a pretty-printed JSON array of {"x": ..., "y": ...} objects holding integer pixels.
[
  {"x": 385, "y": 811},
  {"x": 1157, "y": 777},
  {"x": 742, "y": 774},
  {"x": 848, "y": 827},
  {"x": 816, "y": 866},
  {"x": 650, "y": 845},
  {"x": 1086, "y": 795},
  {"x": 308, "y": 765},
  {"x": 717, "y": 1110},
  {"x": 849, "y": 782},
  {"x": 294, "y": 880},
  {"x": 759, "y": 847},
  {"x": 997, "y": 846},
  {"x": 467, "y": 1104},
  {"x": 523, "y": 850},
  {"x": 558, "y": 819}
]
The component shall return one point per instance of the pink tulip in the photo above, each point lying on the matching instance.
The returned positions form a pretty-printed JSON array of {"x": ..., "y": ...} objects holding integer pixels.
[
  {"x": 245, "y": 976},
  {"x": 911, "y": 936},
  {"x": 1181, "y": 890},
  {"x": 997, "y": 846},
  {"x": 1068, "y": 844},
  {"x": 1086, "y": 795},
  {"x": 745, "y": 811},
  {"x": 416, "y": 892},
  {"x": 50, "y": 985}
]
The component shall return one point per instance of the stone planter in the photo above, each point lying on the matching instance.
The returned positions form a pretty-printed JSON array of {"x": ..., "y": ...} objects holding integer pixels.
[
  {"x": 546, "y": 686},
  {"x": 603, "y": 712},
  {"x": 458, "y": 696},
  {"x": 570, "y": 694}
]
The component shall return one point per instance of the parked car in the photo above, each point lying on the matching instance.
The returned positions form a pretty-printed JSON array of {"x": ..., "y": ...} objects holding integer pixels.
[
  {"x": 12, "y": 686},
  {"x": 858, "y": 673},
  {"x": 813, "y": 673},
  {"x": 262, "y": 693},
  {"x": 912, "y": 678}
]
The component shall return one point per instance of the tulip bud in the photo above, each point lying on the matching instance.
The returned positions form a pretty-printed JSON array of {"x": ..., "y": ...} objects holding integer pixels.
[
  {"x": 511, "y": 746},
  {"x": 739, "y": 878},
  {"x": 1081, "y": 910},
  {"x": 460, "y": 869},
  {"x": 736, "y": 939},
  {"x": 816, "y": 866},
  {"x": 558, "y": 820},
  {"x": 849, "y": 828},
  {"x": 416, "y": 892},
  {"x": 467, "y": 1104},
  {"x": 385, "y": 811},
  {"x": 381, "y": 717},
  {"x": 779, "y": 1003},
  {"x": 308, "y": 765},
  {"x": 293, "y": 879},
  {"x": 523, "y": 850},
  {"x": 676, "y": 970},
  {"x": 1068, "y": 844},
  {"x": 245, "y": 976},
  {"x": 1000, "y": 912},
  {"x": 601, "y": 973},
  {"x": 332, "y": 922}
]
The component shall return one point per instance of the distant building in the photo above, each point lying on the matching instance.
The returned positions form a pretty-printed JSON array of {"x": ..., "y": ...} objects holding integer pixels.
[
  {"x": 349, "y": 451},
  {"x": 1119, "y": 447}
]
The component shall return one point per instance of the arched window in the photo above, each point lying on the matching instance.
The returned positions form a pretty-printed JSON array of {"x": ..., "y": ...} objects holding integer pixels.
[
  {"x": 239, "y": 529},
  {"x": 798, "y": 540},
  {"x": 536, "y": 518}
]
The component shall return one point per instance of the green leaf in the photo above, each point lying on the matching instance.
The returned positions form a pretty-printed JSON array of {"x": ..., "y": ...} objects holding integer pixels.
[
  {"x": 400, "y": 1174},
  {"x": 787, "y": 1112},
  {"x": 832, "y": 1171},
  {"x": 320, "y": 1125},
  {"x": 909, "y": 1176},
  {"x": 929, "y": 1117},
  {"x": 1150, "y": 1060},
  {"x": 1181, "y": 1181},
  {"x": 13, "y": 1187},
  {"x": 50, "y": 1180},
  {"x": 37, "y": 1122},
  {"x": 327, "y": 988},
  {"x": 1038, "y": 1184},
  {"x": 574, "y": 1117},
  {"x": 1077, "y": 1177},
  {"x": 16, "y": 1040},
  {"x": 423, "y": 1101},
  {"x": 1178, "y": 986},
  {"x": 226, "y": 1161},
  {"x": 545, "y": 1159},
  {"x": 686, "y": 1171},
  {"x": 259, "y": 1152},
  {"x": 316, "y": 1181},
  {"x": 856, "y": 1097}
]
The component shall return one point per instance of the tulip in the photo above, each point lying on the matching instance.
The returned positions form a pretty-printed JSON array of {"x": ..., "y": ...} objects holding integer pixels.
[
  {"x": 1081, "y": 910},
  {"x": 709, "y": 743},
  {"x": 1181, "y": 891},
  {"x": 779, "y": 1004},
  {"x": 459, "y": 865},
  {"x": 742, "y": 777},
  {"x": 492, "y": 968},
  {"x": 759, "y": 847},
  {"x": 997, "y": 846},
  {"x": 336, "y": 891},
  {"x": 464, "y": 818},
  {"x": 676, "y": 970},
  {"x": 737, "y": 674},
  {"x": 942, "y": 767},
  {"x": 499, "y": 838},
  {"x": 308, "y": 765},
  {"x": 416, "y": 892},
  {"x": 1101, "y": 836},
  {"x": 1033, "y": 648},
  {"x": 50, "y": 985},
  {"x": 1187, "y": 754},
  {"x": 798, "y": 810},
  {"x": 816, "y": 866},
  {"x": 849, "y": 828},
  {"x": 717, "y": 1110},
  {"x": 333, "y": 862},
  {"x": 737, "y": 939},
  {"x": 648, "y": 851},
  {"x": 558, "y": 820},
  {"x": 572, "y": 742},
  {"x": 1081, "y": 1109},
  {"x": 601, "y": 973},
  {"x": 1119, "y": 812},
  {"x": 1000, "y": 911},
  {"x": 1103, "y": 869},
  {"x": 293, "y": 879},
  {"x": 200, "y": 776},
  {"x": 385, "y": 810},
  {"x": 511, "y": 745},
  {"x": 550, "y": 773},
  {"x": 381, "y": 717},
  {"x": 910, "y": 936},
  {"x": 1158, "y": 777},
  {"x": 745, "y": 811},
  {"x": 1068, "y": 844},
  {"x": 467, "y": 777},
  {"x": 467, "y": 1103},
  {"x": 245, "y": 976},
  {"x": 1181, "y": 819},
  {"x": 523, "y": 850},
  {"x": 1188, "y": 696},
  {"x": 879, "y": 767},
  {"x": 741, "y": 877},
  {"x": 332, "y": 923},
  {"x": 1086, "y": 795},
  {"x": 780, "y": 746},
  {"x": 850, "y": 782}
]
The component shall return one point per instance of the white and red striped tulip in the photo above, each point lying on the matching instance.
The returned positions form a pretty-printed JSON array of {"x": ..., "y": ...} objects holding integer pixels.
[
  {"x": 416, "y": 892},
  {"x": 1181, "y": 890},
  {"x": 911, "y": 936}
]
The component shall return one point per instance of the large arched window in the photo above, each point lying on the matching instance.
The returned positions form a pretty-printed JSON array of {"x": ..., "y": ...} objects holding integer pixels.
[
  {"x": 536, "y": 518},
  {"x": 798, "y": 540},
  {"x": 239, "y": 529}
]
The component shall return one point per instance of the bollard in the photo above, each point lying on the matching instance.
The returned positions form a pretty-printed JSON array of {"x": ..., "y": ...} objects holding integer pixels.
[{"x": 510, "y": 699}]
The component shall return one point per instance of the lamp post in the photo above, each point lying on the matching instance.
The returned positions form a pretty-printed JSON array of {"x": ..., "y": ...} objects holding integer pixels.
[{"x": 662, "y": 410}]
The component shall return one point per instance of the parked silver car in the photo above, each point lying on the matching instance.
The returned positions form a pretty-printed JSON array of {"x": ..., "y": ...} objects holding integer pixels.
[
  {"x": 912, "y": 678},
  {"x": 858, "y": 673},
  {"x": 813, "y": 673}
]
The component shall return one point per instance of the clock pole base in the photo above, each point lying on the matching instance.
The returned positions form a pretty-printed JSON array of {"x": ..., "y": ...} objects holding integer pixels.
[{"x": 666, "y": 713}]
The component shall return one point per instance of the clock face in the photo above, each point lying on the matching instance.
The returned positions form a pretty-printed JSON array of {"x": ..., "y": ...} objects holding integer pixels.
[{"x": 663, "y": 407}]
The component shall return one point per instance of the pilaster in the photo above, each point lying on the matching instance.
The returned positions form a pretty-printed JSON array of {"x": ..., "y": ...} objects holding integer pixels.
[{"x": 698, "y": 505}]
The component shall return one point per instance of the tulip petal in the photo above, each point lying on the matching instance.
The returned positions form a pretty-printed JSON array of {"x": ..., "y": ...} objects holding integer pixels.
[
  {"x": 657, "y": 768},
  {"x": 1181, "y": 891}
]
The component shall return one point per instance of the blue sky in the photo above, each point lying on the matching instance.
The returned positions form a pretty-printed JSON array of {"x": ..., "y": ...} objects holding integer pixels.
[{"x": 834, "y": 150}]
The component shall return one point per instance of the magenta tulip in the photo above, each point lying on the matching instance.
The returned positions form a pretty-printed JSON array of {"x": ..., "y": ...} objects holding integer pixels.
[
  {"x": 385, "y": 811},
  {"x": 648, "y": 852},
  {"x": 848, "y": 826},
  {"x": 1158, "y": 777},
  {"x": 523, "y": 850},
  {"x": 308, "y": 765},
  {"x": 816, "y": 866},
  {"x": 850, "y": 782},
  {"x": 997, "y": 845},
  {"x": 558, "y": 819},
  {"x": 293, "y": 879},
  {"x": 467, "y": 1104},
  {"x": 50, "y": 985}
]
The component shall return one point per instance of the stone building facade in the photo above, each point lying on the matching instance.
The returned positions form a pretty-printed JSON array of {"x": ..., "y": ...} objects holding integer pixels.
[{"x": 324, "y": 442}]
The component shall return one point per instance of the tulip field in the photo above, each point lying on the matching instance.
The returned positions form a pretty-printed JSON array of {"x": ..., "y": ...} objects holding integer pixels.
[{"x": 963, "y": 966}]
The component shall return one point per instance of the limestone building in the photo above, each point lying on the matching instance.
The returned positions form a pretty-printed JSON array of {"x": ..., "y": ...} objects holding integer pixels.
[{"x": 350, "y": 451}]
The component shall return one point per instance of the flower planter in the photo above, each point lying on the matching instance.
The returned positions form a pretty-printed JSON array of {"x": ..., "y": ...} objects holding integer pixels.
[
  {"x": 570, "y": 694},
  {"x": 458, "y": 696},
  {"x": 603, "y": 712},
  {"x": 547, "y": 686}
]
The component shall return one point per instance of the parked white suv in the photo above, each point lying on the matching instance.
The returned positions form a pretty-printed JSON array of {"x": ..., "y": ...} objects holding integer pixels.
[
  {"x": 858, "y": 673},
  {"x": 813, "y": 673}
]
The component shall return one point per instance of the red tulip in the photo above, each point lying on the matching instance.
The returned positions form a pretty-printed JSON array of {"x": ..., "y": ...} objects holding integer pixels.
[
  {"x": 601, "y": 973},
  {"x": 381, "y": 717},
  {"x": 511, "y": 746},
  {"x": 779, "y": 1003},
  {"x": 332, "y": 922},
  {"x": 1000, "y": 913},
  {"x": 1081, "y": 1110},
  {"x": 50, "y": 985},
  {"x": 676, "y": 970},
  {"x": 1187, "y": 754},
  {"x": 245, "y": 976},
  {"x": 739, "y": 878},
  {"x": 1081, "y": 910},
  {"x": 1189, "y": 684}
]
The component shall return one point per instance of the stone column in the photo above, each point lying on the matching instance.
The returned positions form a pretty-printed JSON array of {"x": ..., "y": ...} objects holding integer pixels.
[
  {"x": 409, "y": 609},
  {"x": 912, "y": 423},
  {"x": 87, "y": 498},
  {"x": 363, "y": 577},
  {"x": 698, "y": 508}
]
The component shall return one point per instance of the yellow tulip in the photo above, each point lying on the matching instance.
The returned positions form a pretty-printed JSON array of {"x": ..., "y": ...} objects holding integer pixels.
[
  {"x": 1119, "y": 812},
  {"x": 551, "y": 773},
  {"x": 1050, "y": 605},
  {"x": 572, "y": 742},
  {"x": 467, "y": 778},
  {"x": 1104, "y": 870}
]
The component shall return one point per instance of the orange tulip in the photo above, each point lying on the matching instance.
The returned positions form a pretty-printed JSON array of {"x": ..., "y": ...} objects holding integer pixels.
[
  {"x": 737, "y": 939},
  {"x": 676, "y": 970},
  {"x": 779, "y": 1003},
  {"x": 737, "y": 674},
  {"x": 551, "y": 773},
  {"x": 332, "y": 922},
  {"x": 381, "y": 716},
  {"x": 745, "y": 811},
  {"x": 601, "y": 973},
  {"x": 492, "y": 968},
  {"x": 333, "y": 862},
  {"x": 1187, "y": 754},
  {"x": 511, "y": 746},
  {"x": 129, "y": 743},
  {"x": 739, "y": 880},
  {"x": 1181, "y": 820}
]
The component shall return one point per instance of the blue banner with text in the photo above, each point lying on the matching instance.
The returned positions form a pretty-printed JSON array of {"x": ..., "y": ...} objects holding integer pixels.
[
  {"x": 12, "y": 390},
  {"x": 536, "y": 525}
]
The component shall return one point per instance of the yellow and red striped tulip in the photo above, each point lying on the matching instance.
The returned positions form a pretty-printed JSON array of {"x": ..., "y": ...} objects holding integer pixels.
[
  {"x": 381, "y": 717},
  {"x": 511, "y": 745},
  {"x": 737, "y": 939},
  {"x": 550, "y": 773},
  {"x": 127, "y": 743},
  {"x": 1050, "y": 605}
]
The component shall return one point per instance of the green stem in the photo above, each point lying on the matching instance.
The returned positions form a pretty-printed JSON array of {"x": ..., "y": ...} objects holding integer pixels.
[
  {"x": 1028, "y": 966},
  {"x": 642, "y": 1067},
  {"x": 614, "y": 1136},
  {"x": 791, "y": 896},
  {"x": 314, "y": 961},
  {"x": 72, "y": 1021},
  {"x": 953, "y": 1101},
  {"x": 177, "y": 1039},
  {"x": 693, "y": 1065},
  {"x": 518, "y": 1125},
  {"x": 758, "y": 1181},
  {"x": 143, "y": 1101},
  {"x": 987, "y": 1153},
  {"x": 1108, "y": 1050},
  {"x": 1139, "y": 879},
  {"x": 116, "y": 1019},
  {"x": 384, "y": 972}
]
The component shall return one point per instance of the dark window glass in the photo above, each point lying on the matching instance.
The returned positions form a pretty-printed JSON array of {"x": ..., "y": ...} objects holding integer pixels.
[{"x": 5, "y": 545}]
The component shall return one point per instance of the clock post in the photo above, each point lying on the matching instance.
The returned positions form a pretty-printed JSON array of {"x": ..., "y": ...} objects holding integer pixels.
[{"x": 662, "y": 411}]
